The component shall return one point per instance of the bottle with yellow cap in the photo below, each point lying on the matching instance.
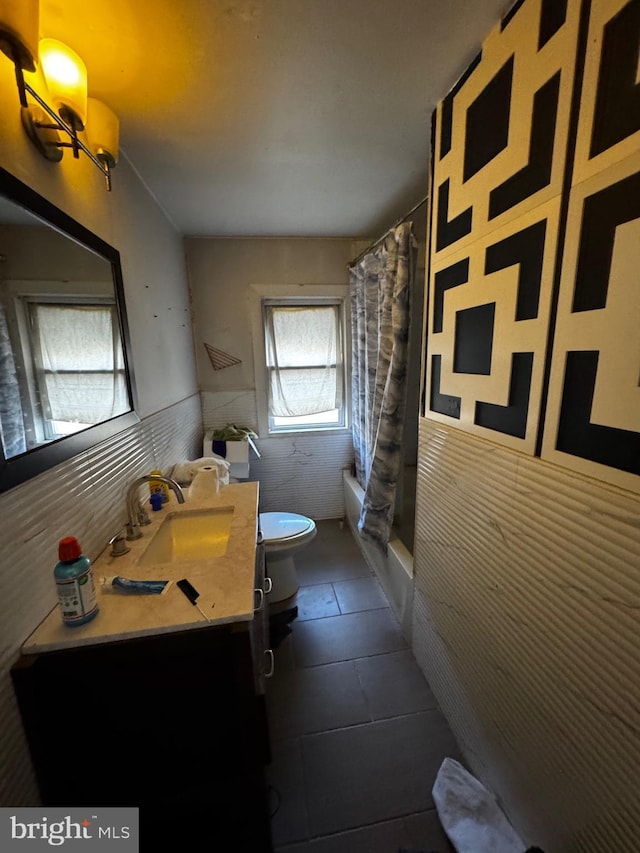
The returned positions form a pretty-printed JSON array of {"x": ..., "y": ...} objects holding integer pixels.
[{"x": 158, "y": 487}]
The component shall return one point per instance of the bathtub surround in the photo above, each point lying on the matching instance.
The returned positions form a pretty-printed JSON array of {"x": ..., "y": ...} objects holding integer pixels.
[{"x": 394, "y": 569}]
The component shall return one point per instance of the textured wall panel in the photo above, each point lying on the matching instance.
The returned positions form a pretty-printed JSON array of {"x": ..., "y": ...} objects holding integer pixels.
[
  {"x": 527, "y": 625},
  {"x": 84, "y": 497},
  {"x": 297, "y": 473},
  {"x": 303, "y": 473}
]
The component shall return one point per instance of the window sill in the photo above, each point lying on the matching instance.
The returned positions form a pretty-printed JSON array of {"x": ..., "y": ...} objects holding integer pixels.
[{"x": 312, "y": 432}]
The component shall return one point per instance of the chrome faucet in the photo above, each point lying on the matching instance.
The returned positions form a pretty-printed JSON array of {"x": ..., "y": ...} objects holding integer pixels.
[{"x": 137, "y": 514}]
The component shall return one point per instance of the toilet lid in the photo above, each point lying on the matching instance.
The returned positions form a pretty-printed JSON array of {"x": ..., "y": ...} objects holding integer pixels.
[{"x": 283, "y": 525}]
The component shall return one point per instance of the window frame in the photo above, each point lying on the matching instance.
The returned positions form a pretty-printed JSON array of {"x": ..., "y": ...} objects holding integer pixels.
[{"x": 284, "y": 295}]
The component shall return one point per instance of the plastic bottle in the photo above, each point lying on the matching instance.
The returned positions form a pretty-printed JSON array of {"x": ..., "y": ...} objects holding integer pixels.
[
  {"x": 156, "y": 500},
  {"x": 157, "y": 486},
  {"x": 74, "y": 582}
]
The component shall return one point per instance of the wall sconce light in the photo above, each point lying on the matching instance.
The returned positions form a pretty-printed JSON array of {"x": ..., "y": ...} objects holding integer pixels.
[
  {"x": 19, "y": 20},
  {"x": 62, "y": 80}
]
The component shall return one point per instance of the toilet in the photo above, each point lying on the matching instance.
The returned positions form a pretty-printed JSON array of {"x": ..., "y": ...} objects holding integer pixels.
[{"x": 283, "y": 534}]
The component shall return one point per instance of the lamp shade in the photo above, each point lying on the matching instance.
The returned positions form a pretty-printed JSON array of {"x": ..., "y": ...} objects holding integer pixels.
[
  {"x": 37, "y": 82},
  {"x": 19, "y": 22},
  {"x": 103, "y": 131},
  {"x": 66, "y": 76}
]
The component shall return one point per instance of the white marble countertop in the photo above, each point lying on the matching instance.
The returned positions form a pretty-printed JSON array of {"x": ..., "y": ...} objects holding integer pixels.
[{"x": 225, "y": 583}]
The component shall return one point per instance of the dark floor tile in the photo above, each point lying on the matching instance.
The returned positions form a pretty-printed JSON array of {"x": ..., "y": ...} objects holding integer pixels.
[
  {"x": 316, "y": 602},
  {"x": 383, "y": 770},
  {"x": 285, "y": 778},
  {"x": 332, "y": 528},
  {"x": 394, "y": 685},
  {"x": 316, "y": 699},
  {"x": 354, "y": 635},
  {"x": 426, "y": 833},
  {"x": 360, "y": 594},
  {"x": 380, "y": 838},
  {"x": 333, "y": 542},
  {"x": 318, "y": 568}
]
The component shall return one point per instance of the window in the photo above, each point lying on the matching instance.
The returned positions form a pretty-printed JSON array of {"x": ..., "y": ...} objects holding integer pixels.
[
  {"x": 75, "y": 357},
  {"x": 304, "y": 357}
]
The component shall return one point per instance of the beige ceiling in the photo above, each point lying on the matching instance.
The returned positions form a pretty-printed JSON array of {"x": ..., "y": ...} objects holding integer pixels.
[{"x": 275, "y": 117}]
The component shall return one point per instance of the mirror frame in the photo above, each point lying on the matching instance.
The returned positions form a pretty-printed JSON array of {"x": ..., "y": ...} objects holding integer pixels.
[{"x": 19, "y": 469}]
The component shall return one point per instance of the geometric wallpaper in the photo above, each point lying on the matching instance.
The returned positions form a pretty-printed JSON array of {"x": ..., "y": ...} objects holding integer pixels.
[
  {"x": 593, "y": 423},
  {"x": 533, "y": 323}
]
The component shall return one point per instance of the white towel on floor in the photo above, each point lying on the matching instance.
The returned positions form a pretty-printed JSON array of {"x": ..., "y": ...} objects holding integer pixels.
[{"x": 470, "y": 815}]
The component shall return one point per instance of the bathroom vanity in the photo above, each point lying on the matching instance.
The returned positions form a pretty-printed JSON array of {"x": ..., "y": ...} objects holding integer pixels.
[{"x": 151, "y": 705}]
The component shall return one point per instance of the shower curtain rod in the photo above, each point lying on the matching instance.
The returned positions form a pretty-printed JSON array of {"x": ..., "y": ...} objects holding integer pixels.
[{"x": 380, "y": 239}]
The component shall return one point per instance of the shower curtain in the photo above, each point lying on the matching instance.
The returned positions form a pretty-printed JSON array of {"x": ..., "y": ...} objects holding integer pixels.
[
  {"x": 11, "y": 421},
  {"x": 380, "y": 286}
]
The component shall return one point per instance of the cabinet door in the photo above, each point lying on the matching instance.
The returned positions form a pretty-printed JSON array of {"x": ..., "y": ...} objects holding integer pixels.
[
  {"x": 262, "y": 654},
  {"x": 154, "y": 706}
]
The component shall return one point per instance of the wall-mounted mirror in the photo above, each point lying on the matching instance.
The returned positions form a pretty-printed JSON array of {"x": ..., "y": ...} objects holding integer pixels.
[{"x": 66, "y": 381}]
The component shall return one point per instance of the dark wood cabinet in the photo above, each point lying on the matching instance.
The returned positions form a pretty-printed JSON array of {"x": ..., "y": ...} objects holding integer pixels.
[{"x": 173, "y": 723}]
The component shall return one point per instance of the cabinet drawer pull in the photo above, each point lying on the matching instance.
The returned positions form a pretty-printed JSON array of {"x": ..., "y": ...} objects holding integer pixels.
[
  {"x": 260, "y": 593},
  {"x": 268, "y": 585},
  {"x": 272, "y": 663}
]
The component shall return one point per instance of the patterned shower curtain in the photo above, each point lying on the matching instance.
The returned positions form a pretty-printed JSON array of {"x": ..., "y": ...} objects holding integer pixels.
[
  {"x": 11, "y": 422},
  {"x": 380, "y": 286}
]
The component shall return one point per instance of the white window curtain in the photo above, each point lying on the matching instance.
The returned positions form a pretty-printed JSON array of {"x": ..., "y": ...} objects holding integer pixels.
[
  {"x": 303, "y": 361},
  {"x": 79, "y": 362}
]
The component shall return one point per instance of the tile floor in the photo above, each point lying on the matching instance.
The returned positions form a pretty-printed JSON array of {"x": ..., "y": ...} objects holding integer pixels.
[{"x": 357, "y": 736}]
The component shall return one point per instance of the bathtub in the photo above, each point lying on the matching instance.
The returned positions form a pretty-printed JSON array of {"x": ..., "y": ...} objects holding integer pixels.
[{"x": 395, "y": 571}]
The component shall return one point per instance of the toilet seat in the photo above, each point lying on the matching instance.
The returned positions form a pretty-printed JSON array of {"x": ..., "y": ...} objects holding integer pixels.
[{"x": 284, "y": 528}]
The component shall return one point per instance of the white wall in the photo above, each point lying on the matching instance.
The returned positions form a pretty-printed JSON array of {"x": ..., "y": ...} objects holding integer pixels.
[
  {"x": 84, "y": 497},
  {"x": 303, "y": 473}
]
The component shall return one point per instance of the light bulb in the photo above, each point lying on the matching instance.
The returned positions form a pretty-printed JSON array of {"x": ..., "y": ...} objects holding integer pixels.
[{"x": 66, "y": 76}]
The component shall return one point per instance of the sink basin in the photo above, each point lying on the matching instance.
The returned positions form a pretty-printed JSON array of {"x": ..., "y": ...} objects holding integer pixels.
[{"x": 196, "y": 535}]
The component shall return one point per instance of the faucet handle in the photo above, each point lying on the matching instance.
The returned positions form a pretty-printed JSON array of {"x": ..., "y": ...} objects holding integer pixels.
[{"x": 119, "y": 544}]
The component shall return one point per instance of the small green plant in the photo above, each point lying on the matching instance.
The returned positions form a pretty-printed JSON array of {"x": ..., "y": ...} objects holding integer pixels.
[{"x": 231, "y": 432}]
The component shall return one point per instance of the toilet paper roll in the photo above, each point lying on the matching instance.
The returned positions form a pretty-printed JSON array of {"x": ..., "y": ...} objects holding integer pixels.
[{"x": 205, "y": 483}]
